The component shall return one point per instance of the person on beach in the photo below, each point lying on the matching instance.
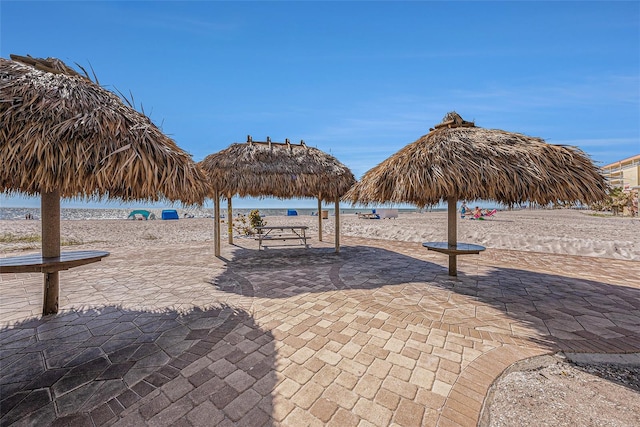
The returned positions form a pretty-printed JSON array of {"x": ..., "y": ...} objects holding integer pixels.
[{"x": 463, "y": 210}]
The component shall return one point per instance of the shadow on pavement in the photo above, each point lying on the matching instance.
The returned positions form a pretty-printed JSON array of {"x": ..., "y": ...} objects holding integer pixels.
[
  {"x": 550, "y": 310},
  {"x": 96, "y": 366}
]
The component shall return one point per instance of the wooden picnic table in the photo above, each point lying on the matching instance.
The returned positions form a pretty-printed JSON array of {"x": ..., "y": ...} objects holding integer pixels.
[
  {"x": 48, "y": 265},
  {"x": 286, "y": 232}
]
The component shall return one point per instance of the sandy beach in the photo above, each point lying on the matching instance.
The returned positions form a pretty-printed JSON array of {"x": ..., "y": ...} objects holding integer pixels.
[
  {"x": 569, "y": 232},
  {"x": 558, "y": 265}
]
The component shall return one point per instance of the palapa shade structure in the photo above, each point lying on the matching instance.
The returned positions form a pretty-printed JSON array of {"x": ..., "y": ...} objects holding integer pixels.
[
  {"x": 282, "y": 170},
  {"x": 459, "y": 161},
  {"x": 62, "y": 135}
]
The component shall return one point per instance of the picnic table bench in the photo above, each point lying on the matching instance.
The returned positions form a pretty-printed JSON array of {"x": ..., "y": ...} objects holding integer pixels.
[
  {"x": 49, "y": 265},
  {"x": 282, "y": 232}
]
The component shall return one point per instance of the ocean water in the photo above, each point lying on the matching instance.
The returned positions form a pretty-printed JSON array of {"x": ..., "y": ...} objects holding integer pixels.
[{"x": 119, "y": 213}]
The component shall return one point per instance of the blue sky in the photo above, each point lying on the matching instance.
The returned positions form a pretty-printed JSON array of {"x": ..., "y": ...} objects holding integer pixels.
[{"x": 359, "y": 80}]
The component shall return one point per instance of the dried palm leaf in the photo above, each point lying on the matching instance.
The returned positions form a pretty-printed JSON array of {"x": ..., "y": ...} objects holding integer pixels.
[{"x": 60, "y": 131}]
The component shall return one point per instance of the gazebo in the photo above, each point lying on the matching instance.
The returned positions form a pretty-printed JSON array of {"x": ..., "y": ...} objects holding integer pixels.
[
  {"x": 64, "y": 136},
  {"x": 282, "y": 170},
  {"x": 457, "y": 160}
]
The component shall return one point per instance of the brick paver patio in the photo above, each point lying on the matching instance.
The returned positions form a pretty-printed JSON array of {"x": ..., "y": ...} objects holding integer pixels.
[{"x": 377, "y": 335}]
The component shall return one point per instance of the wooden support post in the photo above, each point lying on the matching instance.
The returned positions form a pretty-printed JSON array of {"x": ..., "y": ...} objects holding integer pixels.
[
  {"x": 337, "y": 231},
  {"x": 452, "y": 233},
  {"x": 50, "y": 211},
  {"x": 230, "y": 220},
  {"x": 320, "y": 217},
  {"x": 216, "y": 223}
]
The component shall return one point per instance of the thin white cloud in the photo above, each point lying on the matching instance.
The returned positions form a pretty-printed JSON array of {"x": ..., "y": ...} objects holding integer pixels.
[
  {"x": 155, "y": 19},
  {"x": 593, "y": 91},
  {"x": 599, "y": 142}
]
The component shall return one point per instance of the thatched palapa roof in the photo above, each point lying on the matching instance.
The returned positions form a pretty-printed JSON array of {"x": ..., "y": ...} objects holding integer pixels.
[
  {"x": 282, "y": 170},
  {"x": 61, "y": 131},
  {"x": 459, "y": 160}
]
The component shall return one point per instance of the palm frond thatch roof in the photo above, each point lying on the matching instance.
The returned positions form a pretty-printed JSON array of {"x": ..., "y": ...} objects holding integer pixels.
[
  {"x": 281, "y": 170},
  {"x": 60, "y": 131},
  {"x": 461, "y": 161}
]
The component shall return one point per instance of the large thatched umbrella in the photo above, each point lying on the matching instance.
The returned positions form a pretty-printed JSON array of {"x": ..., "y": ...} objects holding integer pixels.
[
  {"x": 61, "y": 135},
  {"x": 282, "y": 170},
  {"x": 459, "y": 161}
]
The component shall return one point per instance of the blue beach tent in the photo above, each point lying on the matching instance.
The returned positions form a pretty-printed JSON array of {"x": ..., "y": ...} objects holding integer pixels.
[{"x": 170, "y": 214}]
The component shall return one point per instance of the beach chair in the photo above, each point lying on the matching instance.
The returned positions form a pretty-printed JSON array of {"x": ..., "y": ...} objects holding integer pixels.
[
  {"x": 482, "y": 216},
  {"x": 490, "y": 214},
  {"x": 372, "y": 215}
]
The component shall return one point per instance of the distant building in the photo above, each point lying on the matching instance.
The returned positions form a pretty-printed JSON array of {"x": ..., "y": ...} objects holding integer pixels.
[{"x": 623, "y": 173}]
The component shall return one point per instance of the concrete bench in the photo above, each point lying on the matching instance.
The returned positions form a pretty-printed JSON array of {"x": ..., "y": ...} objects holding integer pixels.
[
  {"x": 38, "y": 264},
  {"x": 50, "y": 267},
  {"x": 453, "y": 251},
  {"x": 387, "y": 213}
]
